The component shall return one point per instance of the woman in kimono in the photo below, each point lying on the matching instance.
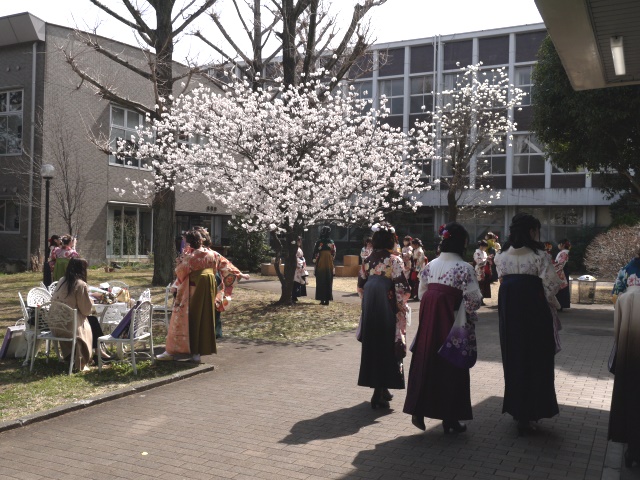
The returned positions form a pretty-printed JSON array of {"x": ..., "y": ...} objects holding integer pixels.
[
  {"x": 624, "y": 419},
  {"x": 481, "y": 259},
  {"x": 60, "y": 256},
  {"x": 366, "y": 249},
  {"x": 493, "y": 247},
  {"x": 384, "y": 291},
  {"x": 192, "y": 326},
  {"x": 73, "y": 291},
  {"x": 407, "y": 254},
  {"x": 528, "y": 285},
  {"x": 418, "y": 261},
  {"x": 300, "y": 275},
  {"x": 564, "y": 295},
  {"x": 324, "y": 252},
  {"x": 436, "y": 388}
]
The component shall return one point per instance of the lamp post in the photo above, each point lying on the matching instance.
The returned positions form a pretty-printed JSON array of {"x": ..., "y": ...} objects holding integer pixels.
[{"x": 47, "y": 171}]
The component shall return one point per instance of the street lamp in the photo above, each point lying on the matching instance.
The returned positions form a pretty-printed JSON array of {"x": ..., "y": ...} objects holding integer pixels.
[{"x": 47, "y": 172}]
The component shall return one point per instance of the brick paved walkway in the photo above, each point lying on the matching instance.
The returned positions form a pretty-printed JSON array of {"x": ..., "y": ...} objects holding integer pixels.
[{"x": 275, "y": 411}]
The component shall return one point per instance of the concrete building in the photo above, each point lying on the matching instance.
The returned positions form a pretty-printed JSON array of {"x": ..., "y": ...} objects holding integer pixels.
[
  {"x": 407, "y": 72},
  {"x": 48, "y": 115}
]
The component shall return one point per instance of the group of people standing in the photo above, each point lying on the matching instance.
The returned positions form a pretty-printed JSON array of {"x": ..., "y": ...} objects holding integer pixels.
[
  {"x": 62, "y": 249},
  {"x": 444, "y": 348}
]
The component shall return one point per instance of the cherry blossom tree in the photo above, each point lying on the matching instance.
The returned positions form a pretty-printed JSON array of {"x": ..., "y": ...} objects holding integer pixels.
[
  {"x": 470, "y": 119},
  {"x": 284, "y": 159}
]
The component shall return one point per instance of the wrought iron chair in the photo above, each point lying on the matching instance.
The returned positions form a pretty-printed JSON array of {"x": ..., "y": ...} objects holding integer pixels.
[
  {"x": 140, "y": 330},
  {"x": 56, "y": 322}
]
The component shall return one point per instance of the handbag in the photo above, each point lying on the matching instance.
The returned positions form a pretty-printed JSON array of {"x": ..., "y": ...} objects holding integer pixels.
[
  {"x": 612, "y": 358},
  {"x": 460, "y": 348}
]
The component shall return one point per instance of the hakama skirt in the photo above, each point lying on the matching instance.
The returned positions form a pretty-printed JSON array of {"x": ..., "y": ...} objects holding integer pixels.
[
  {"x": 324, "y": 276},
  {"x": 379, "y": 366},
  {"x": 528, "y": 348},
  {"x": 436, "y": 388}
]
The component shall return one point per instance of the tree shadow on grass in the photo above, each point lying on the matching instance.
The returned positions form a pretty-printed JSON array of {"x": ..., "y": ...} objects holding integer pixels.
[{"x": 336, "y": 424}]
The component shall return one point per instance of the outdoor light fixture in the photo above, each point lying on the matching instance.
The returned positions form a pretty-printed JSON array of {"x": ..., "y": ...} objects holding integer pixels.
[
  {"x": 47, "y": 171},
  {"x": 617, "y": 51}
]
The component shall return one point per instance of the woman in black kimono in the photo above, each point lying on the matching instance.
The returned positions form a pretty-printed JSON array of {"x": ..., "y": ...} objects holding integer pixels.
[
  {"x": 529, "y": 284},
  {"x": 324, "y": 252},
  {"x": 384, "y": 291}
]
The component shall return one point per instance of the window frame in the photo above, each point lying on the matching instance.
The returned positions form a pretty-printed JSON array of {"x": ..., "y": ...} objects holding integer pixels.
[
  {"x": 431, "y": 95},
  {"x": 532, "y": 145},
  {"x": 7, "y": 113},
  {"x": 392, "y": 99},
  {"x": 142, "y": 164},
  {"x": 3, "y": 222}
]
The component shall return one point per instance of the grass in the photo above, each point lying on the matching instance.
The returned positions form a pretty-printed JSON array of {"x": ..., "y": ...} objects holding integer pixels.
[{"x": 252, "y": 315}]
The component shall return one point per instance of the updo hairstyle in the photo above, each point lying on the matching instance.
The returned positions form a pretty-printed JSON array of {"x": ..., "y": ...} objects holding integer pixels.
[
  {"x": 194, "y": 238},
  {"x": 454, "y": 238}
]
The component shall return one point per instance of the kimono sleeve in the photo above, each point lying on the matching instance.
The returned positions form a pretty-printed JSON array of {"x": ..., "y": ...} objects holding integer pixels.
[
  {"x": 402, "y": 292},
  {"x": 471, "y": 295},
  {"x": 424, "y": 281},
  {"x": 551, "y": 282},
  {"x": 229, "y": 273}
]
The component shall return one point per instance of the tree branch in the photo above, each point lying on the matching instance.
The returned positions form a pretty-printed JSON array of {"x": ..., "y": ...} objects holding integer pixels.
[
  {"x": 192, "y": 17},
  {"x": 142, "y": 28}
]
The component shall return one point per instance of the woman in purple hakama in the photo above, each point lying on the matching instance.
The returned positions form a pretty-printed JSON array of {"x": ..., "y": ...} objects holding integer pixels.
[{"x": 437, "y": 388}]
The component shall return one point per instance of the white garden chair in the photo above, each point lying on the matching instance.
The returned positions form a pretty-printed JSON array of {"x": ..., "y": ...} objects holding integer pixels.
[
  {"x": 140, "y": 330},
  {"x": 110, "y": 317},
  {"x": 38, "y": 296},
  {"x": 165, "y": 308},
  {"x": 29, "y": 330},
  {"x": 61, "y": 319},
  {"x": 52, "y": 287}
]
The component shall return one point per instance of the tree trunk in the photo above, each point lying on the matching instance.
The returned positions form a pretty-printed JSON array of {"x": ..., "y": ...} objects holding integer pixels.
[
  {"x": 453, "y": 205},
  {"x": 164, "y": 246},
  {"x": 164, "y": 200}
]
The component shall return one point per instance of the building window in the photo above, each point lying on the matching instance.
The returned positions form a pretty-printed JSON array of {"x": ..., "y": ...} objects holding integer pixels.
[
  {"x": 9, "y": 216},
  {"x": 528, "y": 157},
  {"x": 524, "y": 82},
  {"x": 11, "y": 107},
  {"x": 365, "y": 92},
  {"x": 480, "y": 220},
  {"x": 421, "y": 94},
  {"x": 394, "y": 91},
  {"x": 493, "y": 159},
  {"x": 494, "y": 50},
  {"x": 123, "y": 127},
  {"x": 129, "y": 231}
]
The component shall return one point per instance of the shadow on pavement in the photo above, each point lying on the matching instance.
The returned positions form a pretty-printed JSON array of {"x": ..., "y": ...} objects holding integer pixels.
[
  {"x": 339, "y": 423},
  {"x": 571, "y": 445}
]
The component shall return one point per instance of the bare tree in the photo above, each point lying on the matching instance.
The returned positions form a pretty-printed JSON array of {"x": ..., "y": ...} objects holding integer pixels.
[
  {"x": 612, "y": 250},
  {"x": 170, "y": 23}
]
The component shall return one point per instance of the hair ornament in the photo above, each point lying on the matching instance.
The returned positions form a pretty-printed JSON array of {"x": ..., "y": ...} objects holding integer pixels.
[
  {"x": 376, "y": 227},
  {"x": 443, "y": 232}
]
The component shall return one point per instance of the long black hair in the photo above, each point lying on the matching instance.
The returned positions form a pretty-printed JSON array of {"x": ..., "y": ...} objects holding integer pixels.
[
  {"x": 76, "y": 270},
  {"x": 520, "y": 233},
  {"x": 454, "y": 238}
]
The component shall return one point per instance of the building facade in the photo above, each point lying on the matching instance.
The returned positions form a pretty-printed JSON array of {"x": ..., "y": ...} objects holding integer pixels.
[
  {"x": 410, "y": 72},
  {"x": 49, "y": 116}
]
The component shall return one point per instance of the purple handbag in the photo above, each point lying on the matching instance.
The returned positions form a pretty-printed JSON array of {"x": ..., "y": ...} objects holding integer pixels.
[{"x": 460, "y": 348}]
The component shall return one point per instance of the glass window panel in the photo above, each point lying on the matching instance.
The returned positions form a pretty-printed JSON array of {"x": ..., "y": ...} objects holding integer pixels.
[
  {"x": 520, "y": 144},
  {"x": 398, "y": 87},
  {"x": 144, "y": 240},
  {"x": 117, "y": 116},
  {"x": 3, "y": 102},
  {"x": 499, "y": 166},
  {"x": 117, "y": 232},
  {"x": 130, "y": 232},
  {"x": 13, "y": 217},
  {"x": 397, "y": 106},
  {"x": 3, "y": 215},
  {"x": 536, "y": 164},
  {"x": 14, "y": 134},
  {"x": 133, "y": 119},
  {"x": 418, "y": 102},
  {"x": 385, "y": 88},
  {"x": 15, "y": 101},
  {"x": 447, "y": 171},
  {"x": 520, "y": 165}
]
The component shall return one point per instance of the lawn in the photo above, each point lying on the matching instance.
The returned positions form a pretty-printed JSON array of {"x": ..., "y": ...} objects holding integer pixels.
[{"x": 251, "y": 315}]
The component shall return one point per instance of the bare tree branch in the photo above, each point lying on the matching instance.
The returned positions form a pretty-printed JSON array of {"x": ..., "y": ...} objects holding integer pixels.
[
  {"x": 192, "y": 17},
  {"x": 142, "y": 28}
]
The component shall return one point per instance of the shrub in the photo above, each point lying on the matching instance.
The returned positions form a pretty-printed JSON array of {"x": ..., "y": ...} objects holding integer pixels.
[
  {"x": 248, "y": 250},
  {"x": 612, "y": 250}
]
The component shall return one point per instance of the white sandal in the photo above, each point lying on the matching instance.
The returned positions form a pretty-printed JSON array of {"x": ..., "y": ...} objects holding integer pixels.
[{"x": 164, "y": 356}]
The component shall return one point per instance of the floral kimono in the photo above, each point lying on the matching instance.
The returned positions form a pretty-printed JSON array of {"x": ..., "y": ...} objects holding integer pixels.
[
  {"x": 384, "y": 291},
  {"x": 59, "y": 260},
  {"x": 192, "y": 329}
]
